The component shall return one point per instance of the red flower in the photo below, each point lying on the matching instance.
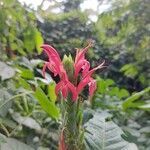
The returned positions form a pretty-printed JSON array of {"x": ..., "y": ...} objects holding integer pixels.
[
  {"x": 80, "y": 61},
  {"x": 65, "y": 86},
  {"x": 87, "y": 79},
  {"x": 55, "y": 65}
]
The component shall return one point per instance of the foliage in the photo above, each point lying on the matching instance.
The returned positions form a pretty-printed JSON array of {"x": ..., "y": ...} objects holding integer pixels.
[
  {"x": 108, "y": 93},
  {"x": 124, "y": 31},
  {"x": 101, "y": 133},
  {"x": 18, "y": 31},
  {"x": 129, "y": 112},
  {"x": 68, "y": 28},
  {"x": 129, "y": 102},
  {"x": 28, "y": 101},
  {"x": 6, "y": 72},
  {"x": 9, "y": 144},
  {"x": 21, "y": 115},
  {"x": 48, "y": 106}
]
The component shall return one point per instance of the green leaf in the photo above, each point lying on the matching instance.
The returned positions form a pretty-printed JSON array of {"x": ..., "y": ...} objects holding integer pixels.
[
  {"x": 4, "y": 96},
  {"x": 29, "y": 41},
  {"x": 109, "y": 82},
  {"x": 25, "y": 84},
  {"x": 21, "y": 51},
  {"x": 129, "y": 101},
  {"x": 38, "y": 41},
  {"x": 101, "y": 86},
  {"x": 104, "y": 135},
  {"x": 27, "y": 121},
  {"x": 13, "y": 46},
  {"x": 9, "y": 2},
  {"x": 123, "y": 93},
  {"x": 26, "y": 73},
  {"x": 51, "y": 91},
  {"x": 7, "y": 122},
  {"x": 114, "y": 91},
  {"x": 47, "y": 105},
  {"x": 130, "y": 70},
  {"x": 13, "y": 144},
  {"x": 145, "y": 129},
  {"x": 6, "y": 71},
  {"x": 145, "y": 107}
]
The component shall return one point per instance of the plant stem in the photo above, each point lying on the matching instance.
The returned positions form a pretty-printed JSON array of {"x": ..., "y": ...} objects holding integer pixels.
[{"x": 71, "y": 125}]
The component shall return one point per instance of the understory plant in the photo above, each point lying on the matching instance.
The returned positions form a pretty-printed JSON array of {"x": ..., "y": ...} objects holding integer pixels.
[
  {"x": 99, "y": 132},
  {"x": 74, "y": 76}
]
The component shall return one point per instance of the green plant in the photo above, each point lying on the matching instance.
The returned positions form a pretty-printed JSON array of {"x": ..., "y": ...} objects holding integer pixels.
[{"x": 73, "y": 133}]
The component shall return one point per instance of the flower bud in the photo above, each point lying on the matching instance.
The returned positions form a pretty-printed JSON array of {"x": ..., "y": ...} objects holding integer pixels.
[{"x": 68, "y": 64}]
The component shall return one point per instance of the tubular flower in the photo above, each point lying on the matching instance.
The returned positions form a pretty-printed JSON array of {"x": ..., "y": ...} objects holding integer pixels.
[
  {"x": 87, "y": 79},
  {"x": 65, "y": 86},
  {"x": 54, "y": 64}
]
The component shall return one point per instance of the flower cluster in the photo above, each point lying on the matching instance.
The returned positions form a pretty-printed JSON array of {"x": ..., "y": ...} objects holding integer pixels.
[{"x": 80, "y": 65}]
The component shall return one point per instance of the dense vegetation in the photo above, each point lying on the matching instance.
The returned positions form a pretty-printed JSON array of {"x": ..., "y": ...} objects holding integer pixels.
[{"x": 29, "y": 108}]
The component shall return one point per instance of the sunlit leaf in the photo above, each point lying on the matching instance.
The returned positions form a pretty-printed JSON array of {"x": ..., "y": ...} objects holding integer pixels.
[
  {"x": 145, "y": 107},
  {"x": 123, "y": 93},
  {"x": 38, "y": 41},
  {"x": 109, "y": 82},
  {"x": 27, "y": 74},
  {"x": 129, "y": 101},
  {"x": 101, "y": 86},
  {"x": 24, "y": 83},
  {"x": 130, "y": 70},
  {"x": 46, "y": 104},
  {"x": 29, "y": 41},
  {"x": 51, "y": 91}
]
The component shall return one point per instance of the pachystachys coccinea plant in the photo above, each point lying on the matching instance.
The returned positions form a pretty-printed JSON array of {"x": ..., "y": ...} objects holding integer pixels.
[{"x": 74, "y": 76}]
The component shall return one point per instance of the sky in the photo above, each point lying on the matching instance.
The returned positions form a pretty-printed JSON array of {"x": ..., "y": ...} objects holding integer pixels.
[{"x": 86, "y": 5}]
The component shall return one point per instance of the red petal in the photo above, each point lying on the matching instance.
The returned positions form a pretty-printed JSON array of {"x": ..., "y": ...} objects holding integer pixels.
[
  {"x": 82, "y": 64},
  {"x": 92, "y": 86},
  {"x": 50, "y": 51},
  {"x": 65, "y": 87},
  {"x": 54, "y": 64},
  {"x": 65, "y": 91},
  {"x": 85, "y": 68},
  {"x": 83, "y": 83},
  {"x": 87, "y": 78},
  {"x": 72, "y": 89},
  {"x": 80, "y": 54},
  {"x": 89, "y": 73},
  {"x": 59, "y": 87},
  {"x": 54, "y": 68}
]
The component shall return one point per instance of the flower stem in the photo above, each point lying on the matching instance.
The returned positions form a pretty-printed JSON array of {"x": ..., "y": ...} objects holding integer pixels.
[
  {"x": 73, "y": 131},
  {"x": 71, "y": 124}
]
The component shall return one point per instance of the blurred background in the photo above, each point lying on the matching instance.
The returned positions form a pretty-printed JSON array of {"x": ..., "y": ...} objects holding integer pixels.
[{"x": 120, "y": 30}]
